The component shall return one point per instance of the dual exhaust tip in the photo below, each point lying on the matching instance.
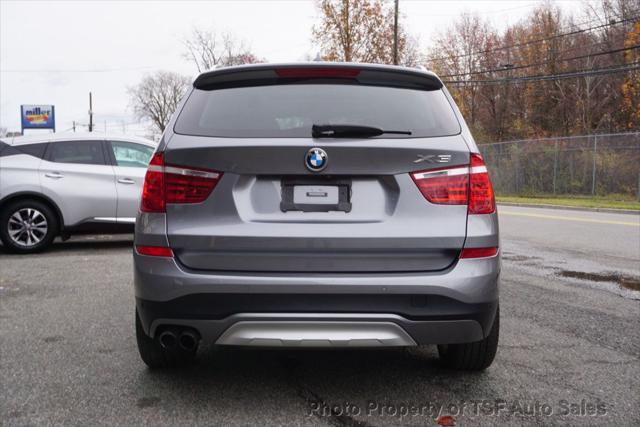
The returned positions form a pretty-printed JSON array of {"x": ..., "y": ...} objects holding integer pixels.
[{"x": 185, "y": 339}]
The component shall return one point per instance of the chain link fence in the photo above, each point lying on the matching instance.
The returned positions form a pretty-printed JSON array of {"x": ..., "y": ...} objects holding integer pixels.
[{"x": 602, "y": 164}]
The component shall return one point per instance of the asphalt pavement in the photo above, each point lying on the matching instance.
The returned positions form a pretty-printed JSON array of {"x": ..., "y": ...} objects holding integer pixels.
[{"x": 569, "y": 348}]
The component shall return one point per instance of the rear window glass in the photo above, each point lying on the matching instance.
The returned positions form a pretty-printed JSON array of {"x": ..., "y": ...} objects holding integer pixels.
[
  {"x": 131, "y": 155},
  {"x": 83, "y": 152},
  {"x": 291, "y": 110}
]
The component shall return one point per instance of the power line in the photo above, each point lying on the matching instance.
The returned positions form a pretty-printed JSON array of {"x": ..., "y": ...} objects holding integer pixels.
[
  {"x": 593, "y": 44},
  {"x": 539, "y": 64},
  {"x": 480, "y": 12},
  {"x": 540, "y": 40},
  {"x": 113, "y": 122},
  {"x": 530, "y": 42},
  {"x": 96, "y": 70},
  {"x": 542, "y": 77}
]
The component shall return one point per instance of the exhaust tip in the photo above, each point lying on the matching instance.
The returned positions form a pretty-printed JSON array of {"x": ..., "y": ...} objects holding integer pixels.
[
  {"x": 168, "y": 340},
  {"x": 188, "y": 341}
]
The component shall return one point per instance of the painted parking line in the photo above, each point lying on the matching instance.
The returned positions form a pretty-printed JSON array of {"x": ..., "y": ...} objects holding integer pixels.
[{"x": 571, "y": 218}]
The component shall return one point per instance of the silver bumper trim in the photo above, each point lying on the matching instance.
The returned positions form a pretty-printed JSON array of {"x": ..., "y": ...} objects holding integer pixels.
[
  {"x": 316, "y": 334},
  {"x": 396, "y": 329}
]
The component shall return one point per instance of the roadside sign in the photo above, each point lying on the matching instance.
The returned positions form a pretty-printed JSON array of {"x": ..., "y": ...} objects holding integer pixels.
[{"x": 38, "y": 117}]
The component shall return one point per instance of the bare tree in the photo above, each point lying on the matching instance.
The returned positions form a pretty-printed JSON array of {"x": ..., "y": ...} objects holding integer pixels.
[
  {"x": 206, "y": 49},
  {"x": 453, "y": 53},
  {"x": 508, "y": 85},
  {"x": 156, "y": 97},
  {"x": 361, "y": 31}
]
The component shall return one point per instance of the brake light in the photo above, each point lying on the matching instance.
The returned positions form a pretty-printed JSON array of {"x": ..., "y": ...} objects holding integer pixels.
[
  {"x": 460, "y": 185},
  {"x": 165, "y": 183},
  {"x": 481, "y": 198},
  {"x": 152, "y": 199},
  {"x": 479, "y": 252},
  {"x": 161, "y": 251},
  {"x": 336, "y": 72}
]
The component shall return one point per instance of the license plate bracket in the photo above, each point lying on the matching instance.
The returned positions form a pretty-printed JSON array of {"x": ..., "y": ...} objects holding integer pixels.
[{"x": 315, "y": 195}]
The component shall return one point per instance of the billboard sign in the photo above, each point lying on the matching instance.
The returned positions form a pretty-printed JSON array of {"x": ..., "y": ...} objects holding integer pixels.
[{"x": 38, "y": 117}]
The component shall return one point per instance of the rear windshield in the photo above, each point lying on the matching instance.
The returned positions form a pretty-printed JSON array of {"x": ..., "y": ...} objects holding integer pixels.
[{"x": 290, "y": 111}]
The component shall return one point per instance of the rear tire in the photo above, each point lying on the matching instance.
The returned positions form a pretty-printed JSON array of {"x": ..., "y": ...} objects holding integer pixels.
[
  {"x": 473, "y": 356},
  {"x": 154, "y": 355},
  {"x": 27, "y": 226}
]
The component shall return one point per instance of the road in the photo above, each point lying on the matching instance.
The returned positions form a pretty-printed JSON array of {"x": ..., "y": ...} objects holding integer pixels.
[
  {"x": 68, "y": 354},
  {"x": 603, "y": 248}
]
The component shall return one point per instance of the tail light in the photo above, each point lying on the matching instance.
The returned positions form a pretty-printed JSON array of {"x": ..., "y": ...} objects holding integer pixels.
[
  {"x": 460, "y": 185},
  {"x": 152, "y": 199},
  {"x": 165, "y": 183},
  {"x": 444, "y": 186},
  {"x": 481, "y": 198}
]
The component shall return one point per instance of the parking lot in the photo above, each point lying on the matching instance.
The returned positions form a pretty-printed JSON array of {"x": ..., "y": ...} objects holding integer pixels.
[{"x": 569, "y": 349}]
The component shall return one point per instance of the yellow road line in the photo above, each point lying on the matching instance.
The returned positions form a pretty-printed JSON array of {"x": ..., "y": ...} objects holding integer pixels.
[{"x": 570, "y": 218}]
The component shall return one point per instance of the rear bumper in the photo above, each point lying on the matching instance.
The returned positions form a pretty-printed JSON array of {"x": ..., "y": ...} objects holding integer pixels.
[
  {"x": 329, "y": 329},
  {"x": 468, "y": 281},
  {"x": 454, "y": 306}
]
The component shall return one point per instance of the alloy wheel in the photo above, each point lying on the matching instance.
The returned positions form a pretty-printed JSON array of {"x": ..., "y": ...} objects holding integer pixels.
[{"x": 27, "y": 227}]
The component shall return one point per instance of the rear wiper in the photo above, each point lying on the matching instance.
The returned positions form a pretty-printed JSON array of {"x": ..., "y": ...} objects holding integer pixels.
[{"x": 351, "y": 131}]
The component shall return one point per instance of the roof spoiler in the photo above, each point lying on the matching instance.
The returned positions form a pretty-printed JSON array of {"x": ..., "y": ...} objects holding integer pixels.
[{"x": 363, "y": 74}]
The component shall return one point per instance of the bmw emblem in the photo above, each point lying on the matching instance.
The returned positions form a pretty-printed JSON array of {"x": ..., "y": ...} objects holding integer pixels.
[{"x": 316, "y": 159}]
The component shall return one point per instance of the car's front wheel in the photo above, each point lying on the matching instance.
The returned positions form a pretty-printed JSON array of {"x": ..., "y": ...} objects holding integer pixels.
[
  {"x": 27, "y": 226},
  {"x": 473, "y": 356}
]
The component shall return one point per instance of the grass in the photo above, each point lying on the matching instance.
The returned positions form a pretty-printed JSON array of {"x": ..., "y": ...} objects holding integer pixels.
[{"x": 609, "y": 202}]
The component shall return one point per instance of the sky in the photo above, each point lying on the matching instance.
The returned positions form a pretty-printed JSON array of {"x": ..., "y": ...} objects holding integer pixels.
[{"x": 55, "y": 52}]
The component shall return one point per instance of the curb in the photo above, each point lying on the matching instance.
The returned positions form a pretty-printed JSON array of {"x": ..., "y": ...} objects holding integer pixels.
[{"x": 572, "y": 208}]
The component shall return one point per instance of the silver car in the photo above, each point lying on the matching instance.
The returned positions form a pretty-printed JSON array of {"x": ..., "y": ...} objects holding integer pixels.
[
  {"x": 317, "y": 205},
  {"x": 57, "y": 185}
]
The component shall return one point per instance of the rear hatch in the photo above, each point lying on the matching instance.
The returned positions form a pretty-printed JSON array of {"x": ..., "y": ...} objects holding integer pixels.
[{"x": 286, "y": 201}]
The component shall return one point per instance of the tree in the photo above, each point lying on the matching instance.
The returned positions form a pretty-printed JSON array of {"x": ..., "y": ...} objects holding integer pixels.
[
  {"x": 455, "y": 52},
  {"x": 361, "y": 31},
  {"x": 518, "y": 83},
  {"x": 631, "y": 84},
  {"x": 156, "y": 97},
  {"x": 206, "y": 49}
]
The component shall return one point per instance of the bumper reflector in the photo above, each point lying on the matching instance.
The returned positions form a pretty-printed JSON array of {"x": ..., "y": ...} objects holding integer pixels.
[
  {"x": 479, "y": 252},
  {"x": 160, "y": 251}
]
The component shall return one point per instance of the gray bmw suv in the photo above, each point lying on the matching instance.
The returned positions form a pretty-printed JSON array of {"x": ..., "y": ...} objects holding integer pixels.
[{"x": 317, "y": 205}]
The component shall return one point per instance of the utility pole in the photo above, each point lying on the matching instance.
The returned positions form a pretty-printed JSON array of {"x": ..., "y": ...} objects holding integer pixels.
[
  {"x": 395, "y": 35},
  {"x": 593, "y": 170},
  {"x": 90, "y": 113}
]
